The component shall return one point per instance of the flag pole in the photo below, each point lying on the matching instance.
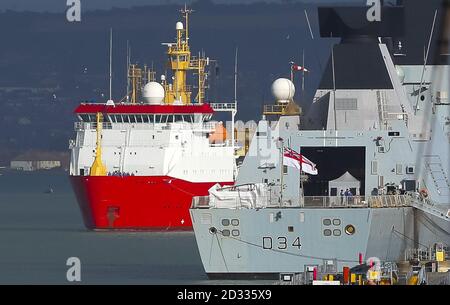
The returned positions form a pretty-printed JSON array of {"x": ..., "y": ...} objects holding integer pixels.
[
  {"x": 301, "y": 165},
  {"x": 282, "y": 171}
]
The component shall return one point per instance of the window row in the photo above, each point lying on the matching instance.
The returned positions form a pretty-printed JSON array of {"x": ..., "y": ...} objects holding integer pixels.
[{"x": 146, "y": 118}]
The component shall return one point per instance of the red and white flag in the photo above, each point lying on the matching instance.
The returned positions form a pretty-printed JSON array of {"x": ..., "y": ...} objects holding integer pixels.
[
  {"x": 299, "y": 68},
  {"x": 294, "y": 159}
]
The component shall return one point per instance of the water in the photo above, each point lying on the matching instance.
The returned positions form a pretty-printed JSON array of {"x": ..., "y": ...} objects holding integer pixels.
[{"x": 39, "y": 232}]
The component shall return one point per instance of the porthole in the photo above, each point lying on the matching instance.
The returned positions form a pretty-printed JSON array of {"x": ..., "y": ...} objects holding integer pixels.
[
  {"x": 337, "y": 232},
  {"x": 327, "y": 232},
  {"x": 226, "y": 232},
  {"x": 326, "y": 222},
  {"x": 225, "y": 222},
  {"x": 336, "y": 222},
  {"x": 212, "y": 230},
  {"x": 290, "y": 229},
  {"x": 235, "y": 232},
  {"x": 235, "y": 222},
  {"x": 350, "y": 230}
]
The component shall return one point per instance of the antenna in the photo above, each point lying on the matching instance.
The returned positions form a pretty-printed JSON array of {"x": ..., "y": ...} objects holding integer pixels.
[
  {"x": 110, "y": 62},
  {"x": 309, "y": 25},
  {"x": 234, "y": 111},
  {"x": 235, "y": 74},
  {"x": 425, "y": 61},
  {"x": 303, "y": 77},
  {"x": 185, "y": 12},
  {"x": 128, "y": 70},
  {"x": 334, "y": 87},
  {"x": 312, "y": 38}
]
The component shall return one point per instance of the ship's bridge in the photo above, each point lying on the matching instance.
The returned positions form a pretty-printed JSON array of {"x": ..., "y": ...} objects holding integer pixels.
[{"x": 139, "y": 113}]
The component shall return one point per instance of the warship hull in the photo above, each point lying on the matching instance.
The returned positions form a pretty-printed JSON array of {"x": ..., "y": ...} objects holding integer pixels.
[{"x": 271, "y": 241}]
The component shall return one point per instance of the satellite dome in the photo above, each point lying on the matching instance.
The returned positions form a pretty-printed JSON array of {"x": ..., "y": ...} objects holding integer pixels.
[
  {"x": 283, "y": 90},
  {"x": 179, "y": 25},
  {"x": 153, "y": 93}
]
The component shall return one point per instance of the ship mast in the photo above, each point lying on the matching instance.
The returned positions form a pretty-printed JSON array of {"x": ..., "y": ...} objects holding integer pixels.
[
  {"x": 110, "y": 62},
  {"x": 180, "y": 61}
]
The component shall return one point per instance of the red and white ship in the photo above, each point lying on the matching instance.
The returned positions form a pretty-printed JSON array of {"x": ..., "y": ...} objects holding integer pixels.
[{"x": 137, "y": 164}]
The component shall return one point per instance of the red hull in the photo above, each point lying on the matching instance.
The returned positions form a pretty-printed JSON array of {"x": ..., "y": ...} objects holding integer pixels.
[{"x": 136, "y": 202}]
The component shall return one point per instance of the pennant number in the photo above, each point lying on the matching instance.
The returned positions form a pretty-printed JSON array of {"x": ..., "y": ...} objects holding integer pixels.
[{"x": 280, "y": 243}]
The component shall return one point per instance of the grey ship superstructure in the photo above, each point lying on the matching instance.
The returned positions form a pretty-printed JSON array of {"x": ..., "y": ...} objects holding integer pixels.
[{"x": 375, "y": 127}]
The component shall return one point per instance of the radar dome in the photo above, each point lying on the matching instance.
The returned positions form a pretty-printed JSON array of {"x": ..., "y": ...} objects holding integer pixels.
[
  {"x": 153, "y": 93},
  {"x": 283, "y": 90},
  {"x": 179, "y": 26}
]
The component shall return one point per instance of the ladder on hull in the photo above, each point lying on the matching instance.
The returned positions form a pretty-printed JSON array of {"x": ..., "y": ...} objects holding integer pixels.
[{"x": 433, "y": 166}]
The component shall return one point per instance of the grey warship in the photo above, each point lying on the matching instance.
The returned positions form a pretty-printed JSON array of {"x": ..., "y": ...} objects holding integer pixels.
[{"x": 378, "y": 128}]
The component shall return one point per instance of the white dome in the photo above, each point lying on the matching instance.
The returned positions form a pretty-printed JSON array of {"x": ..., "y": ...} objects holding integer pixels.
[
  {"x": 283, "y": 90},
  {"x": 179, "y": 25},
  {"x": 153, "y": 93}
]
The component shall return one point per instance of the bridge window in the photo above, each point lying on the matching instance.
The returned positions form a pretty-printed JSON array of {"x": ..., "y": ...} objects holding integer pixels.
[
  {"x": 138, "y": 118},
  {"x": 126, "y": 119},
  {"x": 179, "y": 118},
  {"x": 84, "y": 117},
  {"x": 132, "y": 119},
  {"x": 197, "y": 118}
]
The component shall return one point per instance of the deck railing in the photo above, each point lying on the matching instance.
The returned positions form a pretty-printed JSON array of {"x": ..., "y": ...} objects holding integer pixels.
[
  {"x": 385, "y": 201},
  {"x": 204, "y": 127}
]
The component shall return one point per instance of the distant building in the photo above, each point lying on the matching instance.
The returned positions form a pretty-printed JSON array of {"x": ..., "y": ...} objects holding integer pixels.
[
  {"x": 29, "y": 165},
  {"x": 40, "y": 160},
  {"x": 22, "y": 165}
]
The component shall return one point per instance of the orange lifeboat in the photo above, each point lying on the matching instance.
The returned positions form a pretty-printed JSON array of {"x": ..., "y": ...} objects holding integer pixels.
[{"x": 219, "y": 135}]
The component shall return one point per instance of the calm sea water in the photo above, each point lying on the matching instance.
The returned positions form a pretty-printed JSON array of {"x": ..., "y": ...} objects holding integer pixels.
[{"x": 39, "y": 231}]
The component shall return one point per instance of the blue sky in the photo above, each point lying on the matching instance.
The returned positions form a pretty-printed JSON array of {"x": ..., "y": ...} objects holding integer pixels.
[{"x": 60, "y": 5}]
